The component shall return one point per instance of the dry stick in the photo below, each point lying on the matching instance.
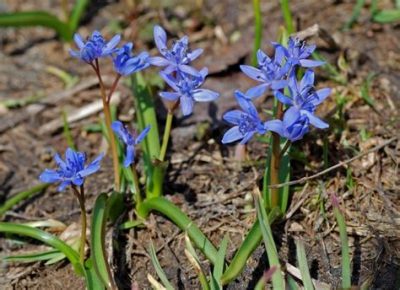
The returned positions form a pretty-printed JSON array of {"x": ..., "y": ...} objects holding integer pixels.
[{"x": 340, "y": 164}]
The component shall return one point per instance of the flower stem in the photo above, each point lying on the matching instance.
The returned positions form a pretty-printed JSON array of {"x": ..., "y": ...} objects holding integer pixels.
[
  {"x": 136, "y": 184},
  {"x": 107, "y": 115},
  {"x": 80, "y": 194},
  {"x": 167, "y": 133},
  {"x": 275, "y": 160}
]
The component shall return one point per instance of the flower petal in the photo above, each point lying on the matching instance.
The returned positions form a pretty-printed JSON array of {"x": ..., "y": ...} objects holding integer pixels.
[
  {"x": 204, "y": 95},
  {"x": 78, "y": 41},
  {"x": 252, "y": 72},
  {"x": 120, "y": 130},
  {"x": 114, "y": 42},
  {"x": 186, "y": 105},
  {"x": 257, "y": 91},
  {"x": 279, "y": 84},
  {"x": 307, "y": 80},
  {"x": 233, "y": 116},
  {"x": 291, "y": 116},
  {"x": 311, "y": 63},
  {"x": 63, "y": 185},
  {"x": 142, "y": 135},
  {"x": 158, "y": 61},
  {"x": 233, "y": 134},
  {"x": 129, "y": 155},
  {"x": 247, "y": 137},
  {"x": 50, "y": 176},
  {"x": 322, "y": 95},
  {"x": 160, "y": 38},
  {"x": 170, "y": 96},
  {"x": 93, "y": 167},
  {"x": 170, "y": 80},
  {"x": 315, "y": 121},
  {"x": 188, "y": 69},
  {"x": 245, "y": 103},
  {"x": 195, "y": 54},
  {"x": 283, "y": 99}
]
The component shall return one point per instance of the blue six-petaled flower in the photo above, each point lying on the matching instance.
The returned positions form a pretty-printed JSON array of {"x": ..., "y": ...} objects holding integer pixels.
[
  {"x": 187, "y": 89},
  {"x": 129, "y": 139},
  {"x": 270, "y": 72},
  {"x": 176, "y": 59},
  {"x": 95, "y": 47},
  {"x": 247, "y": 122},
  {"x": 297, "y": 53},
  {"x": 125, "y": 63},
  {"x": 72, "y": 171},
  {"x": 303, "y": 98}
]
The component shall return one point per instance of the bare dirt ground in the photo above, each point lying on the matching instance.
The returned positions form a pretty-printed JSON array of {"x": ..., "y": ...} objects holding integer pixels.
[{"x": 203, "y": 178}]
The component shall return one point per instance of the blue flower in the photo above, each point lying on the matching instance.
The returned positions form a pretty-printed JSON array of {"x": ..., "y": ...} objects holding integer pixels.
[
  {"x": 297, "y": 53},
  {"x": 304, "y": 98},
  {"x": 72, "y": 171},
  {"x": 94, "y": 48},
  {"x": 246, "y": 122},
  {"x": 178, "y": 57},
  {"x": 129, "y": 140},
  {"x": 186, "y": 89},
  {"x": 270, "y": 72},
  {"x": 125, "y": 63},
  {"x": 293, "y": 126}
]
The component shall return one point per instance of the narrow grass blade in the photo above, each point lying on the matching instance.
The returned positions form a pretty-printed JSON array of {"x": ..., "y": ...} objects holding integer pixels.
[
  {"x": 387, "y": 16},
  {"x": 248, "y": 246},
  {"x": 195, "y": 261},
  {"x": 332, "y": 72},
  {"x": 287, "y": 16},
  {"x": 98, "y": 254},
  {"x": 36, "y": 18},
  {"x": 346, "y": 267},
  {"x": 355, "y": 14},
  {"x": 93, "y": 282},
  {"x": 76, "y": 14},
  {"x": 303, "y": 265},
  {"x": 158, "y": 268},
  {"x": 181, "y": 220},
  {"x": 220, "y": 261},
  {"x": 21, "y": 196},
  {"x": 266, "y": 277},
  {"x": 48, "y": 239},
  {"x": 32, "y": 257},
  {"x": 277, "y": 279},
  {"x": 131, "y": 224}
]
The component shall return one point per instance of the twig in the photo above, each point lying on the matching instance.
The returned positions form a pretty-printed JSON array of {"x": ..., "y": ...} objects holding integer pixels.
[{"x": 340, "y": 164}]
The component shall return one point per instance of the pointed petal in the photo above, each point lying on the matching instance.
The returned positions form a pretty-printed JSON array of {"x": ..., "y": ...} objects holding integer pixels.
[
  {"x": 311, "y": 63},
  {"x": 277, "y": 85},
  {"x": 187, "y": 105},
  {"x": 233, "y": 134},
  {"x": 283, "y": 99},
  {"x": 322, "y": 95},
  {"x": 171, "y": 81},
  {"x": 257, "y": 91},
  {"x": 275, "y": 126},
  {"x": 120, "y": 130},
  {"x": 60, "y": 163},
  {"x": 158, "y": 61},
  {"x": 246, "y": 104},
  {"x": 93, "y": 167},
  {"x": 160, "y": 38},
  {"x": 252, "y": 72},
  {"x": 63, "y": 185},
  {"x": 129, "y": 155},
  {"x": 142, "y": 135},
  {"x": 50, "y": 176},
  {"x": 78, "y": 41},
  {"x": 188, "y": 69},
  {"x": 315, "y": 121},
  {"x": 233, "y": 116},
  {"x": 195, "y": 54},
  {"x": 204, "y": 95},
  {"x": 307, "y": 80},
  {"x": 291, "y": 116},
  {"x": 114, "y": 42},
  {"x": 262, "y": 57}
]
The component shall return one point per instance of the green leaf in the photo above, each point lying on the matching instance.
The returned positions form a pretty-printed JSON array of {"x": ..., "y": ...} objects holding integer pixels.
[
  {"x": 33, "y": 257},
  {"x": 302, "y": 260},
  {"x": 355, "y": 14},
  {"x": 98, "y": 254},
  {"x": 220, "y": 260},
  {"x": 387, "y": 16},
  {"x": 76, "y": 14},
  {"x": 48, "y": 239},
  {"x": 36, "y": 18},
  {"x": 277, "y": 279},
  {"x": 158, "y": 268},
  {"x": 181, "y": 220},
  {"x": 195, "y": 261},
  {"x": 93, "y": 282},
  {"x": 21, "y": 196}
]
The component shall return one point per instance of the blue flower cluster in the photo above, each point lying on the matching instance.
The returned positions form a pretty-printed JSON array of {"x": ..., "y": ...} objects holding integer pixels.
[
  {"x": 277, "y": 74},
  {"x": 125, "y": 63},
  {"x": 178, "y": 74}
]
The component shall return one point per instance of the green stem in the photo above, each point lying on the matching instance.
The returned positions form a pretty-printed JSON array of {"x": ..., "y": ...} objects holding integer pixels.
[
  {"x": 287, "y": 16},
  {"x": 275, "y": 160},
  {"x": 107, "y": 115},
  {"x": 138, "y": 197},
  {"x": 180, "y": 219},
  {"x": 257, "y": 30},
  {"x": 80, "y": 194},
  {"x": 21, "y": 196},
  {"x": 250, "y": 243},
  {"x": 167, "y": 133}
]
